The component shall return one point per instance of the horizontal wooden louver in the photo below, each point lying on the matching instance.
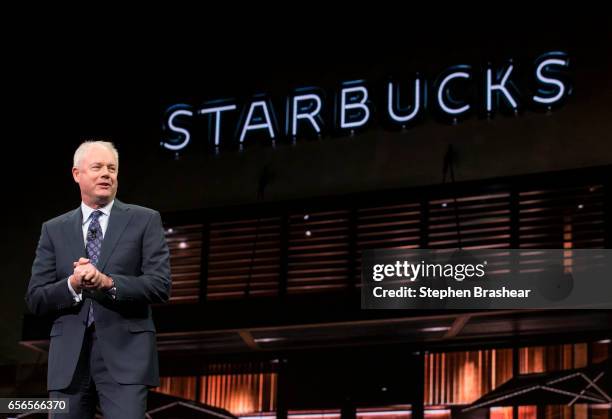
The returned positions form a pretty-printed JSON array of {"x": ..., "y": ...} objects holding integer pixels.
[
  {"x": 562, "y": 218},
  {"x": 383, "y": 227},
  {"x": 325, "y": 247},
  {"x": 244, "y": 258},
  {"x": 185, "y": 244},
  {"x": 470, "y": 222},
  {"x": 318, "y": 254}
]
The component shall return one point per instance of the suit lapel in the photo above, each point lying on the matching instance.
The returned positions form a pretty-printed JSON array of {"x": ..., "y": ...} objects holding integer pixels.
[
  {"x": 73, "y": 231},
  {"x": 119, "y": 217}
]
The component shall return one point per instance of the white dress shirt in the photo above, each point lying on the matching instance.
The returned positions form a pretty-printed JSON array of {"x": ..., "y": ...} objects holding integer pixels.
[{"x": 103, "y": 220}]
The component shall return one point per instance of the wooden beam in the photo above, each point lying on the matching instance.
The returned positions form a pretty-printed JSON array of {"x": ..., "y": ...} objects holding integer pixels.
[
  {"x": 247, "y": 337},
  {"x": 457, "y": 326}
]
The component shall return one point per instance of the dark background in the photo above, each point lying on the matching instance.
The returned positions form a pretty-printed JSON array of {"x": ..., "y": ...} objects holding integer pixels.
[{"x": 104, "y": 78}]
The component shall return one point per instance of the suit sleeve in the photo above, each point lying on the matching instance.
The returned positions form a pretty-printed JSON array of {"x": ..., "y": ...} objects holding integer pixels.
[
  {"x": 154, "y": 285},
  {"x": 46, "y": 292}
]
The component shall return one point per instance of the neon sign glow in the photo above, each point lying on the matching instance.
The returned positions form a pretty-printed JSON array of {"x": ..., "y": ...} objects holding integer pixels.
[{"x": 310, "y": 112}]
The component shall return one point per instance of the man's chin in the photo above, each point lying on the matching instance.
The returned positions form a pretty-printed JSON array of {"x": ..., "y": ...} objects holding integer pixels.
[{"x": 104, "y": 199}]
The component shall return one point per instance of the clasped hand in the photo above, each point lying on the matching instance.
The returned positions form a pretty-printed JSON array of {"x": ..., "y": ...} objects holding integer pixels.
[{"x": 86, "y": 276}]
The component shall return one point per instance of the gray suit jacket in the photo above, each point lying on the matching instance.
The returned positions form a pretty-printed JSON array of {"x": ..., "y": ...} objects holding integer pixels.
[{"x": 135, "y": 254}]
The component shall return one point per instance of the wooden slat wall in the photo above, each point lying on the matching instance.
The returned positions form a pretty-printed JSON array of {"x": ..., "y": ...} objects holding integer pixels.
[
  {"x": 484, "y": 222},
  {"x": 185, "y": 244},
  {"x": 184, "y": 387},
  {"x": 318, "y": 254},
  {"x": 324, "y": 247},
  {"x": 535, "y": 359},
  {"x": 462, "y": 377},
  {"x": 384, "y": 227},
  {"x": 244, "y": 258},
  {"x": 562, "y": 218},
  {"x": 240, "y": 394}
]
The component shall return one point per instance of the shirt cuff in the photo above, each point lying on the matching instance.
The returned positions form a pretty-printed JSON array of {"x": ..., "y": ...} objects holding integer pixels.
[
  {"x": 76, "y": 297},
  {"x": 112, "y": 291}
]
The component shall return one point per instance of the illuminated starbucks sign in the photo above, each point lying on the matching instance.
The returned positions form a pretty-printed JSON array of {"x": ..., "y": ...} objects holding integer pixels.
[{"x": 454, "y": 94}]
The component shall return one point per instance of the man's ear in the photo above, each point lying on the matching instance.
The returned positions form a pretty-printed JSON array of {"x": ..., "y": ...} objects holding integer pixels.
[{"x": 75, "y": 174}]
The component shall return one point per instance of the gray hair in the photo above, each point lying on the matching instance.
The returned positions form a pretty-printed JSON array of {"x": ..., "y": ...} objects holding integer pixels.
[{"x": 86, "y": 145}]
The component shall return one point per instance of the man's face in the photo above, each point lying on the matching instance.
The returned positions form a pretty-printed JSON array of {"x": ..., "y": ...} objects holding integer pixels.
[{"x": 97, "y": 176}]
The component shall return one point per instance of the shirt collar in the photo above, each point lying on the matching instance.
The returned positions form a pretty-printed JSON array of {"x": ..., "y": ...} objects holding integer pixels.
[{"x": 88, "y": 210}]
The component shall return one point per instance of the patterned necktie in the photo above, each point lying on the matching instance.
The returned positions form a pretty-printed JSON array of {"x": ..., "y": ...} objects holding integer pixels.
[{"x": 93, "y": 248}]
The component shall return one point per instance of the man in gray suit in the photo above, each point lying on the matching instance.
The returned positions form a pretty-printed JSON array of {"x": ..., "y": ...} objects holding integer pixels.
[{"x": 97, "y": 270}]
